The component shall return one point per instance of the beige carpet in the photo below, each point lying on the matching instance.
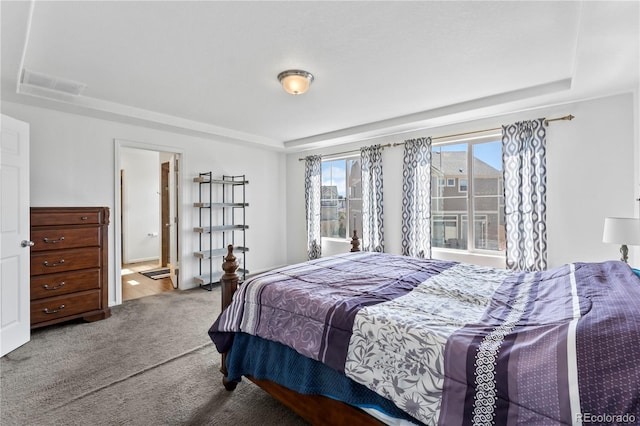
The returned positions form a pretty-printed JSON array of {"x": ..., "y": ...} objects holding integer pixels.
[{"x": 151, "y": 363}]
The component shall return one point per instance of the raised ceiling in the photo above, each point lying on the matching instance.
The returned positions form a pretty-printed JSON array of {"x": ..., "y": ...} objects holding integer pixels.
[{"x": 210, "y": 67}]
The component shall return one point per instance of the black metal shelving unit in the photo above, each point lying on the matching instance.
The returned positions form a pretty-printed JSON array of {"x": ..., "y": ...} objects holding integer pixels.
[{"x": 227, "y": 218}]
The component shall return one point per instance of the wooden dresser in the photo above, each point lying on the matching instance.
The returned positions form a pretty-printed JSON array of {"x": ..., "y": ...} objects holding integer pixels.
[{"x": 69, "y": 262}]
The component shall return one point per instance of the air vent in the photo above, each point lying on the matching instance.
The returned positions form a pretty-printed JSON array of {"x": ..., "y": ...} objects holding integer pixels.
[{"x": 44, "y": 81}]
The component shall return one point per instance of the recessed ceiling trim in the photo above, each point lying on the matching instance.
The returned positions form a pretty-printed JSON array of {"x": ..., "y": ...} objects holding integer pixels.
[
  {"x": 23, "y": 53},
  {"x": 129, "y": 112},
  {"x": 379, "y": 128}
]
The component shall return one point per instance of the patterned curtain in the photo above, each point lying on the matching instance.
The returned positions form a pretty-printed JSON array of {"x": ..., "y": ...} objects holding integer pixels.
[
  {"x": 416, "y": 199},
  {"x": 372, "y": 215},
  {"x": 312, "y": 196},
  {"x": 525, "y": 184}
]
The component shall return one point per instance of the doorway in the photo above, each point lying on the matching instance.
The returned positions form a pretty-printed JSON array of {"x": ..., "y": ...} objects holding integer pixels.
[
  {"x": 142, "y": 279},
  {"x": 147, "y": 220}
]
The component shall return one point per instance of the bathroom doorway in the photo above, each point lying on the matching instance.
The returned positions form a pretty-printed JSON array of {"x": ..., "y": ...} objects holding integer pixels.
[{"x": 147, "y": 216}]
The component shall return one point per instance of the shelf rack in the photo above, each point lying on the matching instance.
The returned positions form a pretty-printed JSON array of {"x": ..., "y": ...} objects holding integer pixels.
[{"x": 231, "y": 225}]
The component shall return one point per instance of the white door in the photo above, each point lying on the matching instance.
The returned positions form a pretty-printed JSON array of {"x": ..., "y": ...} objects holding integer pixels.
[{"x": 14, "y": 235}]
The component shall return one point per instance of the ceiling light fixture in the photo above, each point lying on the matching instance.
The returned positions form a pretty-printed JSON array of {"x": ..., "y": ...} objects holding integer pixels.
[{"x": 295, "y": 82}]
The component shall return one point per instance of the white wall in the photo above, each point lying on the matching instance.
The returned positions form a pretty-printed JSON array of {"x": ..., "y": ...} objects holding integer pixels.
[
  {"x": 591, "y": 174},
  {"x": 140, "y": 204},
  {"x": 72, "y": 164}
]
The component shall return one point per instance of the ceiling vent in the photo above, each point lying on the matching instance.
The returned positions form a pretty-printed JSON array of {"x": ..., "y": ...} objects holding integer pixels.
[{"x": 56, "y": 84}]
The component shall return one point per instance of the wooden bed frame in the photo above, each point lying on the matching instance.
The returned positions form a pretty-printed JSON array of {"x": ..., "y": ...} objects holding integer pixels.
[{"x": 316, "y": 409}]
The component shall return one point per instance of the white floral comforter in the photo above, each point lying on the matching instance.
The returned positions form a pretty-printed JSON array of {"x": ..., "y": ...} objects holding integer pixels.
[{"x": 397, "y": 347}]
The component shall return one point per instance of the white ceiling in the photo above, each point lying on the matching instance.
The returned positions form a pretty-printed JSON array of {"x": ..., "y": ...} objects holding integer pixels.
[{"x": 210, "y": 67}]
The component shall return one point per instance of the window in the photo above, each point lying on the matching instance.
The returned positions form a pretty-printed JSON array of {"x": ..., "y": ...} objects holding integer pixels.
[
  {"x": 477, "y": 167},
  {"x": 462, "y": 185},
  {"x": 341, "y": 201},
  {"x": 446, "y": 227}
]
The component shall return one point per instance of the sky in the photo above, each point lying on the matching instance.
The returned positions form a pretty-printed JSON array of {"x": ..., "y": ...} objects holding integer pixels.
[
  {"x": 334, "y": 173},
  {"x": 490, "y": 152}
]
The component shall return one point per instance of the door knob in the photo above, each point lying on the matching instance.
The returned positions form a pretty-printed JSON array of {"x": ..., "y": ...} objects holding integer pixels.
[{"x": 26, "y": 243}]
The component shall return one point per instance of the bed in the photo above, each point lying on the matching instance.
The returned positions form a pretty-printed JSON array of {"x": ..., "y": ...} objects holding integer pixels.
[{"x": 376, "y": 338}]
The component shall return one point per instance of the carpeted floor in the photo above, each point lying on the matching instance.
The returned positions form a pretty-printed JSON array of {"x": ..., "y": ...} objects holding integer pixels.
[{"x": 151, "y": 363}]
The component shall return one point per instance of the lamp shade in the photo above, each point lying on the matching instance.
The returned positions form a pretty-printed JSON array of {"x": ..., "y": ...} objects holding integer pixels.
[
  {"x": 295, "y": 82},
  {"x": 621, "y": 230}
]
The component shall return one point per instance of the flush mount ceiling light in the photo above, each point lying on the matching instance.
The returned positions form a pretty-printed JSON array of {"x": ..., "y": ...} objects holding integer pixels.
[{"x": 295, "y": 82}]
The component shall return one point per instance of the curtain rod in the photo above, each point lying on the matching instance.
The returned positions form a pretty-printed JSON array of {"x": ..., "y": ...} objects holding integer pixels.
[{"x": 546, "y": 122}]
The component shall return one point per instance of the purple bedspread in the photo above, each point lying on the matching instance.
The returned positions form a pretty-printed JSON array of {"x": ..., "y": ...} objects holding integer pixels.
[
  {"x": 453, "y": 343},
  {"x": 557, "y": 347},
  {"x": 311, "y": 306}
]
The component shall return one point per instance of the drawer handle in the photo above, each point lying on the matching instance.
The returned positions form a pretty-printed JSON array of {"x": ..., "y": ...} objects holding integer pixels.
[
  {"x": 84, "y": 218},
  {"x": 48, "y": 241},
  {"x": 51, "y": 265},
  {"x": 55, "y": 287},
  {"x": 58, "y": 309}
]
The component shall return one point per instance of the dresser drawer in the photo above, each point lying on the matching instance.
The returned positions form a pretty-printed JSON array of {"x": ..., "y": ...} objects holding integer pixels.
[
  {"x": 44, "y": 218},
  {"x": 66, "y": 282},
  {"x": 64, "y": 306},
  {"x": 69, "y": 261},
  {"x": 48, "y": 262},
  {"x": 63, "y": 238}
]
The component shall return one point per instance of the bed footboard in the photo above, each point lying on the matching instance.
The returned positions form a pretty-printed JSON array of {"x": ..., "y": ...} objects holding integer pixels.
[
  {"x": 228, "y": 286},
  {"x": 355, "y": 242}
]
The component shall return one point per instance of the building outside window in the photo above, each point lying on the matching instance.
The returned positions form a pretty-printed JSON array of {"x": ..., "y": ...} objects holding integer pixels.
[
  {"x": 477, "y": 168},
  {"x": 341, "y": 203},
  {"x": 466, "y": 182}
]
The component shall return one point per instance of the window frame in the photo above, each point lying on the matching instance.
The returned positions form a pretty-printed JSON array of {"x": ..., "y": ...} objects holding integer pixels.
[
  {"x": 348, "y": 198},
  {"x": 469, "y": 195},
  {"x": 460, "y": 185}
]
